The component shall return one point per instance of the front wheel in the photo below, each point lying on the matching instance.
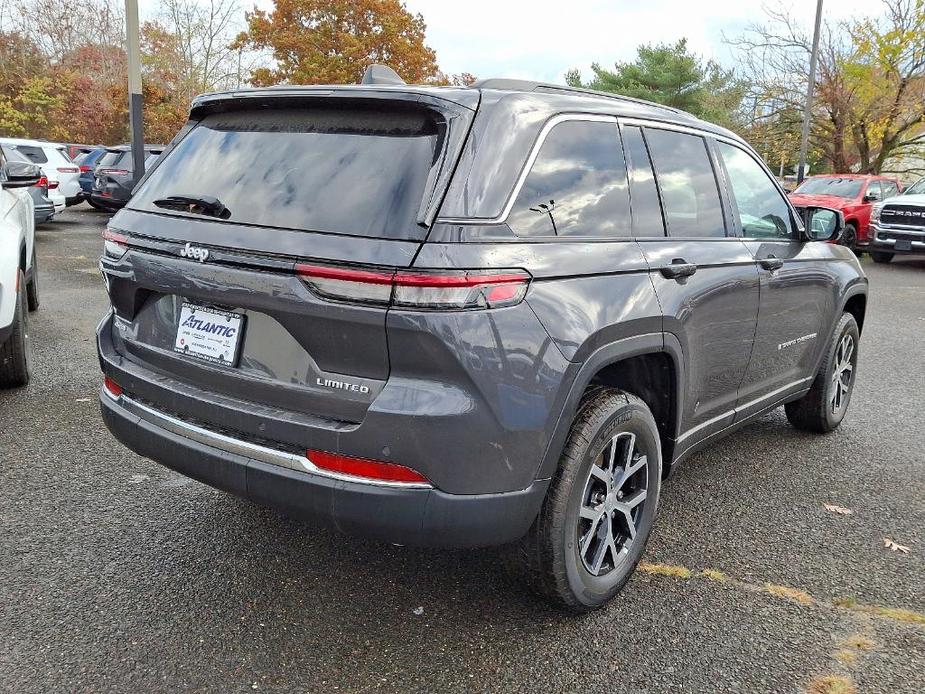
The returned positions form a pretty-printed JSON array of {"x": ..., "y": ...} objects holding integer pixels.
[
  {"x": 881, "y": 257},
  {"x": 595, "y": 521},
  {"x": 824, "y": 407}
]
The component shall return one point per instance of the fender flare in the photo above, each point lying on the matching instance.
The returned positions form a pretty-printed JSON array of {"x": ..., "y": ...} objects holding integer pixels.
[
  {"x": 859, "y": 286},
  {"x": 649, "y": 343}
]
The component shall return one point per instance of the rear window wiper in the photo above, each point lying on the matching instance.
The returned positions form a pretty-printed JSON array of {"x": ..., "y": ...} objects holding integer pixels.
[{"x": 195, "y": 204}]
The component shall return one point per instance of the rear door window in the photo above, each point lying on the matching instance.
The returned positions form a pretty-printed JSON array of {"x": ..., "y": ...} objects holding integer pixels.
[
  {"x": 647, "y": 212},
  {"x": 576, "y": 186},
  {"x": 687, "y": 183},
  {"x": 354, "y": 172}
]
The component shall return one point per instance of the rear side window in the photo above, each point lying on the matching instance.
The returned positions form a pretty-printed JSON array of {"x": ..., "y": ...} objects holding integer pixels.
[
  {"x": 687, "y": 183},
  {"x": 35, "y": 154},
  {"x": 647, "y": 212},
  {"x": 356, "y": 172},
  {"x": 576, "y": 186}
]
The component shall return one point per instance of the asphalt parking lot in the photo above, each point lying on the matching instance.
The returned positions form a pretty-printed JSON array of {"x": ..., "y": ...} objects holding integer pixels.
[{"x": 119, "y": 575}]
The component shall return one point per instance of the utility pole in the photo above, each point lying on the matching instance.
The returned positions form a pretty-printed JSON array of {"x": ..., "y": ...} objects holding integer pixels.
[
  {"x": 134, "y": 88},
  {"x": 807, "y": 109}
]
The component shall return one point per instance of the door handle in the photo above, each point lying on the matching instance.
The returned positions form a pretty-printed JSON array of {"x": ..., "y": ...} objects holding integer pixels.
[
  {"x": 678, "y": 268},
  {"x": 771, "y": 263}
]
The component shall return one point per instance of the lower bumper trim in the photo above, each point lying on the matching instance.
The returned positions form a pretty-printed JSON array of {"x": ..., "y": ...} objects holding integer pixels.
[{"x": 403, "y": 515}]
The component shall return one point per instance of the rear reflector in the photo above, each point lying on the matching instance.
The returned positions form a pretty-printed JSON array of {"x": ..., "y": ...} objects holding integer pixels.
[
  {"x": 114, "y": 245},
  {"x": 365, "y": 468},
  {"x": 52, "y": 184},
  {"x": 113, "y": 388},
  {"x": 464, "y": 289}
]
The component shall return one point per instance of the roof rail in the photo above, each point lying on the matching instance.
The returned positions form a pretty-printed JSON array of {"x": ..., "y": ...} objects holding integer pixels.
[{"x": 513, "y": 85}]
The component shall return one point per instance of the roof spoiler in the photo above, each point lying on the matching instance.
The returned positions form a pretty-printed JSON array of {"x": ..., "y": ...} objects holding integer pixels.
[{"x": 381, "y": 74}]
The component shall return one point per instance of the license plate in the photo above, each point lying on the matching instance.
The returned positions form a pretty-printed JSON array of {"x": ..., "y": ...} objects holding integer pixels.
[
  {"x": 210, "y": 334},
  {"x": 903, "y": 245}
]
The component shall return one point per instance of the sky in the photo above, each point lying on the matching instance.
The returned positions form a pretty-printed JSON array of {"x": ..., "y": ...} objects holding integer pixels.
[{"x": 541, "y": 39}]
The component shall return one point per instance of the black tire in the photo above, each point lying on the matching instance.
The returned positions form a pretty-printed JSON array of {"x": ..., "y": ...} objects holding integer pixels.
[
  {"x": 97, "y": 206},
  {"x": 850, "y": 239},
  {"x": 881, "y": 257},
  {"x": 16, "y": 352},
  {"x": 817, "y": 411},
  {"x": 550, "y": 556},
  {"x": 32, "y": 289}
]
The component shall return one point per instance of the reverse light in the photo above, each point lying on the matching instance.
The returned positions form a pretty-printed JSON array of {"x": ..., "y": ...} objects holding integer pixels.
[
  {"x": 114, "y": 245},
  {"x": 113, "y": 388},
  {"x": 437, "y": 290},
  {"x": 366, "y": 468}
]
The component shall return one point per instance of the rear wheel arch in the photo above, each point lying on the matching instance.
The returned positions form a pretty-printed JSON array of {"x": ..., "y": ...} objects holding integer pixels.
[
  {"x": 856, "y": 305},
  {"x": 647, "y": 366}
]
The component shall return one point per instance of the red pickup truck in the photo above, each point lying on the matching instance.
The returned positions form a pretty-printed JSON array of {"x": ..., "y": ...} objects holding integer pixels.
[{"x": 854, "y": 195}]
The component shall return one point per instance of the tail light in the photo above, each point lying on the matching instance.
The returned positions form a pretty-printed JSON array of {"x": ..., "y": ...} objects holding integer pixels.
[
  {"x": 438, "y": 290},
  {"x": 85, "y": 169},
  {"x": 118, "y": 172},
  {"x": 113, "y": 388},
  {"x": 42, "y": 183},
  {"x": 52, "y": 185},
  {"x": 114, "y": 245},
  {"x": 366, "y": 469},
  {"x": 68, "y": 169}
]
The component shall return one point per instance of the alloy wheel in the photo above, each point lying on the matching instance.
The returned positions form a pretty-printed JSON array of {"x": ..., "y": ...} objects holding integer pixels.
[
  {"x": 612, "y": 504},
  {"x": 842, "y": 374}
]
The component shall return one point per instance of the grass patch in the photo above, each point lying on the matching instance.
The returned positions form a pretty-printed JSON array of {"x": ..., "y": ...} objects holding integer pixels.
[
  {"x": 664, "y": 569},
  {"x": 831, "y": 684},
  {"x": 713, "y": 575},
  {"x": 846, "y": 656},
  {"x": 898, "y": 614},
  {"x": 789, "y": 593},
  {"x": 859, "y": 642}
]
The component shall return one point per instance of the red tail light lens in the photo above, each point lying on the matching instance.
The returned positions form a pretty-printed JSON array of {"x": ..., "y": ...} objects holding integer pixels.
[
  {"x": 52, "y": 185},
  {"x": 438, "y": 290},
  {"x": 113, "y": 388},
  {"x": 365, "y": 468},
  {"x": 85, "y": 169},
  {"x": 68, "y": 169},
  {"x": 114, "y": 245},
  {"x": 43, "y": 182}
]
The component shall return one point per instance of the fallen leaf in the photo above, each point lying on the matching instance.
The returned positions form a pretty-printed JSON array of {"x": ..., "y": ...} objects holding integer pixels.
[
  {"x": 894, "y": 546},
  {"x": 841, "y": 510},
  {"x": 82, "y": 400}
]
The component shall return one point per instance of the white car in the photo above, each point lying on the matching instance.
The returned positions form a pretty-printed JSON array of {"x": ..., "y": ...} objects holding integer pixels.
[
  {"x": 19, "y": 287},
  {"x": 54, "y": 164}
]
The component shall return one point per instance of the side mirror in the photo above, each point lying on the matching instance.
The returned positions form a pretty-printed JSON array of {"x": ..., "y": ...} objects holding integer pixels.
[
  {"x": 871, "y": 198},
  {"x": 822, "y": 224},
  {"x": 20, "y": 174}
]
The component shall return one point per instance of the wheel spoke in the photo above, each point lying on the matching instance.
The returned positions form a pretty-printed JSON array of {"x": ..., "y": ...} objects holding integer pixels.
[
  {"x": 592, "y": 513},
  {"x": 601, "y": 475},
  {"x": 592, "y": 533},
  {"x": 600, "y": 553},
  {"x": 849, "y": 349},
  {"x": 611, "y": 459},
  {"x": 634, "y": 500}
]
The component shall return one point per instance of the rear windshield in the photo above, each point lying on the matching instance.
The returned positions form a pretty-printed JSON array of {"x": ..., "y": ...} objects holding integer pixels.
[
  {"x": 35, "y": 154},
  {"x": 109, "y": 159},
  {"x": 353, "y": 172}
]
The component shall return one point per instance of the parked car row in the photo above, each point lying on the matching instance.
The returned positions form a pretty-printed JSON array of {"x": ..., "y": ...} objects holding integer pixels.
[{"x": 71, "y": 173}]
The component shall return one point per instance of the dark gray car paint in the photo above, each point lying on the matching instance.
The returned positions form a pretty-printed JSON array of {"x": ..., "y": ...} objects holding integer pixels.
[{"x": 480, "y": 402}]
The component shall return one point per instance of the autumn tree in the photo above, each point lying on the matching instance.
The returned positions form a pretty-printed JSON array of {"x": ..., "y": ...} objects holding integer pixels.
[
  {"x": 672, "y": 75},
  {"x": 869, "y": 100},
  {"x": 333, "y": 41}
]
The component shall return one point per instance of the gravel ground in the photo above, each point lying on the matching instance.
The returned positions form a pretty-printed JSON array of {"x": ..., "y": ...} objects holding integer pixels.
[{"x": 119, "y": 575}]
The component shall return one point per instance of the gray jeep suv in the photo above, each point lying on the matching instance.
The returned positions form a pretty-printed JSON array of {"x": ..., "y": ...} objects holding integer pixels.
[{"x": 467, "y": 316}]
